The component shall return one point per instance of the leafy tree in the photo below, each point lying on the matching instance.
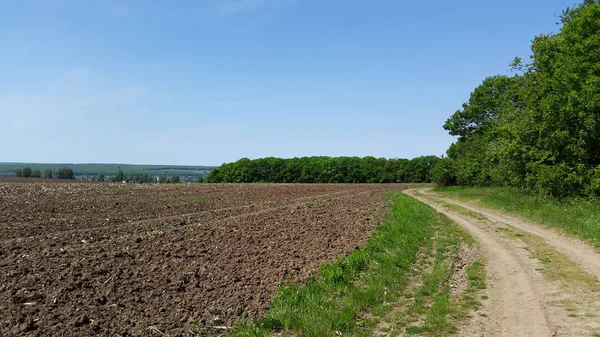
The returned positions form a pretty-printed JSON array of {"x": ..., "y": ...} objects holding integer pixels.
[
  {"x": 487, "y": 104},
  {"x": 27, "y": 172},
  {"x": 324, "y": 170},
  {"x": 175, "y": 180},
  {"x": 19, "y": 172},
  {"x": 65, "y": 173},
  {"x": 539, "y": 129},
  {"x": 443, "y": 172},
  {"x": 101, "y": 177},
  {"x": 164, "y": 180},
  {"x": 120, "y": 176},
  {"x": 48, "y": 174},
  {"x": 36, "y": 173}
]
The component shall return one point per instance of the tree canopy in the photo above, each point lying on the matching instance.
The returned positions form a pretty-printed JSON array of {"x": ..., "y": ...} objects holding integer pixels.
[
  {"x": 324, "y": 170},
  {"x": 538, "y": 129}
]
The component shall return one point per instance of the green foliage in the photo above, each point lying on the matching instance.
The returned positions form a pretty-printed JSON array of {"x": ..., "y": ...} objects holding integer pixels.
[
  {"x": 539, "y": 130},
  {"x": 19, "y": 172},
  {"x": 27, "y": 172},
  {"x": 36, "y": 173},
  {"x": 65, "y": 173},
  {"x": 101, "y": 177},
  {"x": 324, "y": 170},
  {"x": 140, "y": 178},
  {"x": 48, "y": 174},
  {"x": 175, "y": 180},
  {"x": 164, "y": 180},
  {"x": 485, "y": 107},
  {"x": 577, "y": 216},
  {"x": 120, "y": 176},
  {"x": 443, "y": 173}
]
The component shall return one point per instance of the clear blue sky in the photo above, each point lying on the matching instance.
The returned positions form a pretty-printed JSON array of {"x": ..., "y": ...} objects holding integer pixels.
[{"x": 210, "y": 81}]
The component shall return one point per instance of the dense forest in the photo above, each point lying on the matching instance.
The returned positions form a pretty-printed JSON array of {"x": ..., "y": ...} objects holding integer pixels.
[
  {"x": 324, "y": 170},
  {"x": 540, "y": 128}
]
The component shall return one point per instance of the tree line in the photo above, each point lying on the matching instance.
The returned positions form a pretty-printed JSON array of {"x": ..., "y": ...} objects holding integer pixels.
[
  {"x": 538, "y": 129},
  {"x": 324, "y": 170},
  {"x": 62, "y": 173}
]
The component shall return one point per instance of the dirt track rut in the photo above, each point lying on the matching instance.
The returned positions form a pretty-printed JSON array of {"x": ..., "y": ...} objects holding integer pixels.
[{"x": 523, "y": 301}]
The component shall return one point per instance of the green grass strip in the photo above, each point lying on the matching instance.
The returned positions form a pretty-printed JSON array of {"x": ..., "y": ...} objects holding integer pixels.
[
  {"x": 330, "y": 304},
  {"x": 579, "y": 217}
]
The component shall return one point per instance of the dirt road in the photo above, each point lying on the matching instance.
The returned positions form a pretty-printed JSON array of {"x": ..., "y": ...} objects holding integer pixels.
[{"x": 540, "y": 283}]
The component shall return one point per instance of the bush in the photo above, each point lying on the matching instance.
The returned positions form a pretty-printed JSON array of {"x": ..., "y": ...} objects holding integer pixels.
[
  {"x": 36, "y": 173},
  {"x": 48, "y": 174},
  {"x": 175, "y": 179},
  {"x": 443, "y": 174},
  {"x": 27, "y": 172},
  {"x": 593, "y": 187},
  {"x": 19, "y": 172},
  {"x": 557, "y": 181},
  {"x": 65, "y": 173},
  {"x": 120, "y": 176}
]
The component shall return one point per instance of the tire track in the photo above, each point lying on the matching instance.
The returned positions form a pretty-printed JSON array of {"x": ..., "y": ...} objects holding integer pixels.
[
  {"x": 515, "y": 306},
  {"x": 582, "y": 254}
]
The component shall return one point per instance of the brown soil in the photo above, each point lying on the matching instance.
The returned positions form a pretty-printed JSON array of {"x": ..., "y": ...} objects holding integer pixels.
[{"x": 113, "y": 259}]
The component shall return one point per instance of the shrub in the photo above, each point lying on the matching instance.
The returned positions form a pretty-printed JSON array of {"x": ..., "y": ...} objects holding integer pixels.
[
  {"x": 558, "y": 181},
  {"x": 442, "y": 174},
  {"x": 593, "y": 186},
  {"x": 65, "y": 173}
]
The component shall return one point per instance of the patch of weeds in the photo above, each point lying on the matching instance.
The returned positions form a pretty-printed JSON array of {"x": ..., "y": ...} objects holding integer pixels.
[
  {"x": 457, "y": 208},
  {"x": 558, "y": 267},
  {"x": 431, "y": 309},
  {"x": 413, "y": 330},
  {"x": 578, "y": 217},
  {"x": 191, "y": 236},
  {"x": 4, "y": 226},
  {"x": 476, "y": 282}
]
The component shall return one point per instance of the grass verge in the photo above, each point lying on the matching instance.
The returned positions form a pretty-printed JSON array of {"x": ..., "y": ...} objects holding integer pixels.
[
  {"x": 578, "y": 217},
  {"x": 352, "y": 295}
]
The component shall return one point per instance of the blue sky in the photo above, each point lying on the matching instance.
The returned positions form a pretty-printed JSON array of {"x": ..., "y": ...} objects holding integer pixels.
[{"x": 203, "y": 82}]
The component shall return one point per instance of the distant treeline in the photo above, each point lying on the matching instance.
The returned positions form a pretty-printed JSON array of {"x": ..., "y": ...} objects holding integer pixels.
[
  {"x": 28, "y": 172},
  {"x": 540, "y": 129},
  {"x": 324, "y": 170},
  {"x": 110, "y": 170}
]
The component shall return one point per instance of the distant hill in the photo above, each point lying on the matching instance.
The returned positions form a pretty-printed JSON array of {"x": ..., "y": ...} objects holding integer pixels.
[{"x": 92, "y": 170}]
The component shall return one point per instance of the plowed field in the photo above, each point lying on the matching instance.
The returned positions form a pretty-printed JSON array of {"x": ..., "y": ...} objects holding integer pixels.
[{"x": 127, "y": 260}]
